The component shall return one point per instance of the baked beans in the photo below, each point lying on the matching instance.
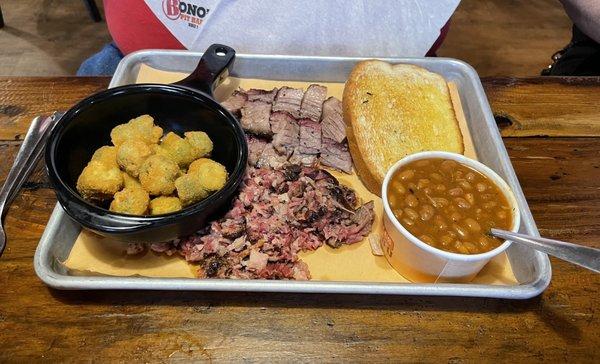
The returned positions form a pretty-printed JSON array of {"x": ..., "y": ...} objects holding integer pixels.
[{"x": 448, "y": 205}]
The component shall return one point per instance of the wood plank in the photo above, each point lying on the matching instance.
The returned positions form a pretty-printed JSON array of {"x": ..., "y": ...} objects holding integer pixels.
[
  {"x": 24, "y": 98},
  {"x": 559, "y": 177},
  {"x": 551, "y": 106}
]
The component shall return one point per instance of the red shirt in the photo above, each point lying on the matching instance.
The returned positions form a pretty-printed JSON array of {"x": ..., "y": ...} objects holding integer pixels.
[{"x": 133, "y": 27}]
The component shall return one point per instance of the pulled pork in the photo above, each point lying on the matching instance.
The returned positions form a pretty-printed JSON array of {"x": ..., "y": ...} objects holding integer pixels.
[{"x": 277, "y": 214}]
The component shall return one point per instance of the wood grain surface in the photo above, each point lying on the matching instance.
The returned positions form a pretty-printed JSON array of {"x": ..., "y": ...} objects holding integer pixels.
[
  {"x": 546, "y": 106},
  {"x": 561, "y": 180}
]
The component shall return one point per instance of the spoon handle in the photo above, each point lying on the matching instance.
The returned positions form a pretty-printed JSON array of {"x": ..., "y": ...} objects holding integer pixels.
[
  {"x": 15, "y": 174},
  {"x": 583, "y": 256},
  {"x": 27, "y": 156},
  {"x": 38, "y": 150}
]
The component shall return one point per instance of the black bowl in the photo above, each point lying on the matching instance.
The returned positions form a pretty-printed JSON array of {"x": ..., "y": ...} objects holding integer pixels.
[{"x": 86, "y": 127}]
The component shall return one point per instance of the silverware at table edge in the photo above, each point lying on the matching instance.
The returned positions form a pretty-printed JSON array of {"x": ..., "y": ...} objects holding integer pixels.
[
  {"x": 26, "y": 160},
  {"x": 586, "y": 257}
]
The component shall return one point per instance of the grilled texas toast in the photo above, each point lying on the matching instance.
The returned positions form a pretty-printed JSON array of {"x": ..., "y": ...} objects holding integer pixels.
[{"x": 395, "y": 110}]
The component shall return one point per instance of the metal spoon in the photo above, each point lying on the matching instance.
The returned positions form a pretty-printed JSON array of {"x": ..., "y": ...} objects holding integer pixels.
[
  {"x": 577, "y": 254},
  {"x": 29, "y": 153}
]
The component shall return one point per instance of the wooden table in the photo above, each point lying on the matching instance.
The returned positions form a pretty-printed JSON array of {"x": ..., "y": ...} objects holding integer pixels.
[{"x": 552, "y": 129}]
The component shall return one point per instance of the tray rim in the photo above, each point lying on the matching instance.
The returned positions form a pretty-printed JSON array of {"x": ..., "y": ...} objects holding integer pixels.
[
  {"x": 67, "y": 282},
  {"x": 520, "y": 291}
]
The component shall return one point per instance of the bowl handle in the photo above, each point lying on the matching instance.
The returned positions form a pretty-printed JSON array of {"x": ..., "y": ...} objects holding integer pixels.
[{"x": 213, "y": 68}]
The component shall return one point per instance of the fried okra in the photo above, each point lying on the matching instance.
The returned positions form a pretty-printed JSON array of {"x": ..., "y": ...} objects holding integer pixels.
[
  {"x": 158, "y": 174},
  {"x": 200, "y": 141},
  {"x": 131, "y": 154},
  {"x": 141, "y": 128},
  {"x": 197, "y": 163},
  {"x": 106, "y": 155},
  {"x": 164, "y": 205},
  {"x": 130, "y": 182},
  {"x": 179, "y": 149},
  {"x": 189, "y": 189},
  {"x": 132, "y": 201},
  {"x": 159, "y": 150},
  {"x": 99, "y": 182},
  {"x": 213, "y": 175},
  {"x": 141, "y": 165}
]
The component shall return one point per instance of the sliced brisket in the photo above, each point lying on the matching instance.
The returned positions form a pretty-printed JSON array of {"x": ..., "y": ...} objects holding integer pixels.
[
  {"x": 336, "y": 155},
  {"x": 235, "y": 102},
  {"x": 279, "y": 120},
  {"x": 307, "y": 151},
  {"x": 303, "y": 141},
  {"x": 255, "y": 149},
  {"x": 332, "y": 122},
  {"x": 261, "y": 95},
  {"x": 255, "y": 117},
  {"x": 310, "y": 136},
  {"x": 312, "y": 103},
  {"x": 289, "y": 100},
  {"x": 287, "y": 137}
]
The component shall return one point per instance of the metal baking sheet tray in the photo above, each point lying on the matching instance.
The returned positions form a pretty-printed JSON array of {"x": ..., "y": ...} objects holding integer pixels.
[{"x": 531, "y": 268}]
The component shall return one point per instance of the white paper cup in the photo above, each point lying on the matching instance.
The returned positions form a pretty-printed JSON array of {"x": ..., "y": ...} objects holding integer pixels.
[{"x": 420, "y": 262}]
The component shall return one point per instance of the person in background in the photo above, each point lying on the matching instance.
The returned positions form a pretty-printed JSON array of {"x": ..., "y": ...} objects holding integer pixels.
[
  {"x": 380, "y": 28},
  {"x": 581, "y": 57}
]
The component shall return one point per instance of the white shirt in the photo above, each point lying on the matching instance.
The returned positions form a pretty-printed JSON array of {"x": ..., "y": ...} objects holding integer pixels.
[{"x": 369, "y": 28}]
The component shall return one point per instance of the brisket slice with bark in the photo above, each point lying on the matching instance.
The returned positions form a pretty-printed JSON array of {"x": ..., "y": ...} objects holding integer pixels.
[
  {"x": 310, "y": 137},
  {"x": 255, "y": 117},
  {"x": 289, "y": 100},
  {"x": 312, "y": 102},
  {"x": 332, "y": 121},
  {"x": 289, "y": 139},
  {"x": 235, "y": 102},
  {"x": 286, "y": 139},
  {"x": 336, "y": 155},
  {"x": 256, "y": 146},
  {"x": 262, "y": 95}
]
